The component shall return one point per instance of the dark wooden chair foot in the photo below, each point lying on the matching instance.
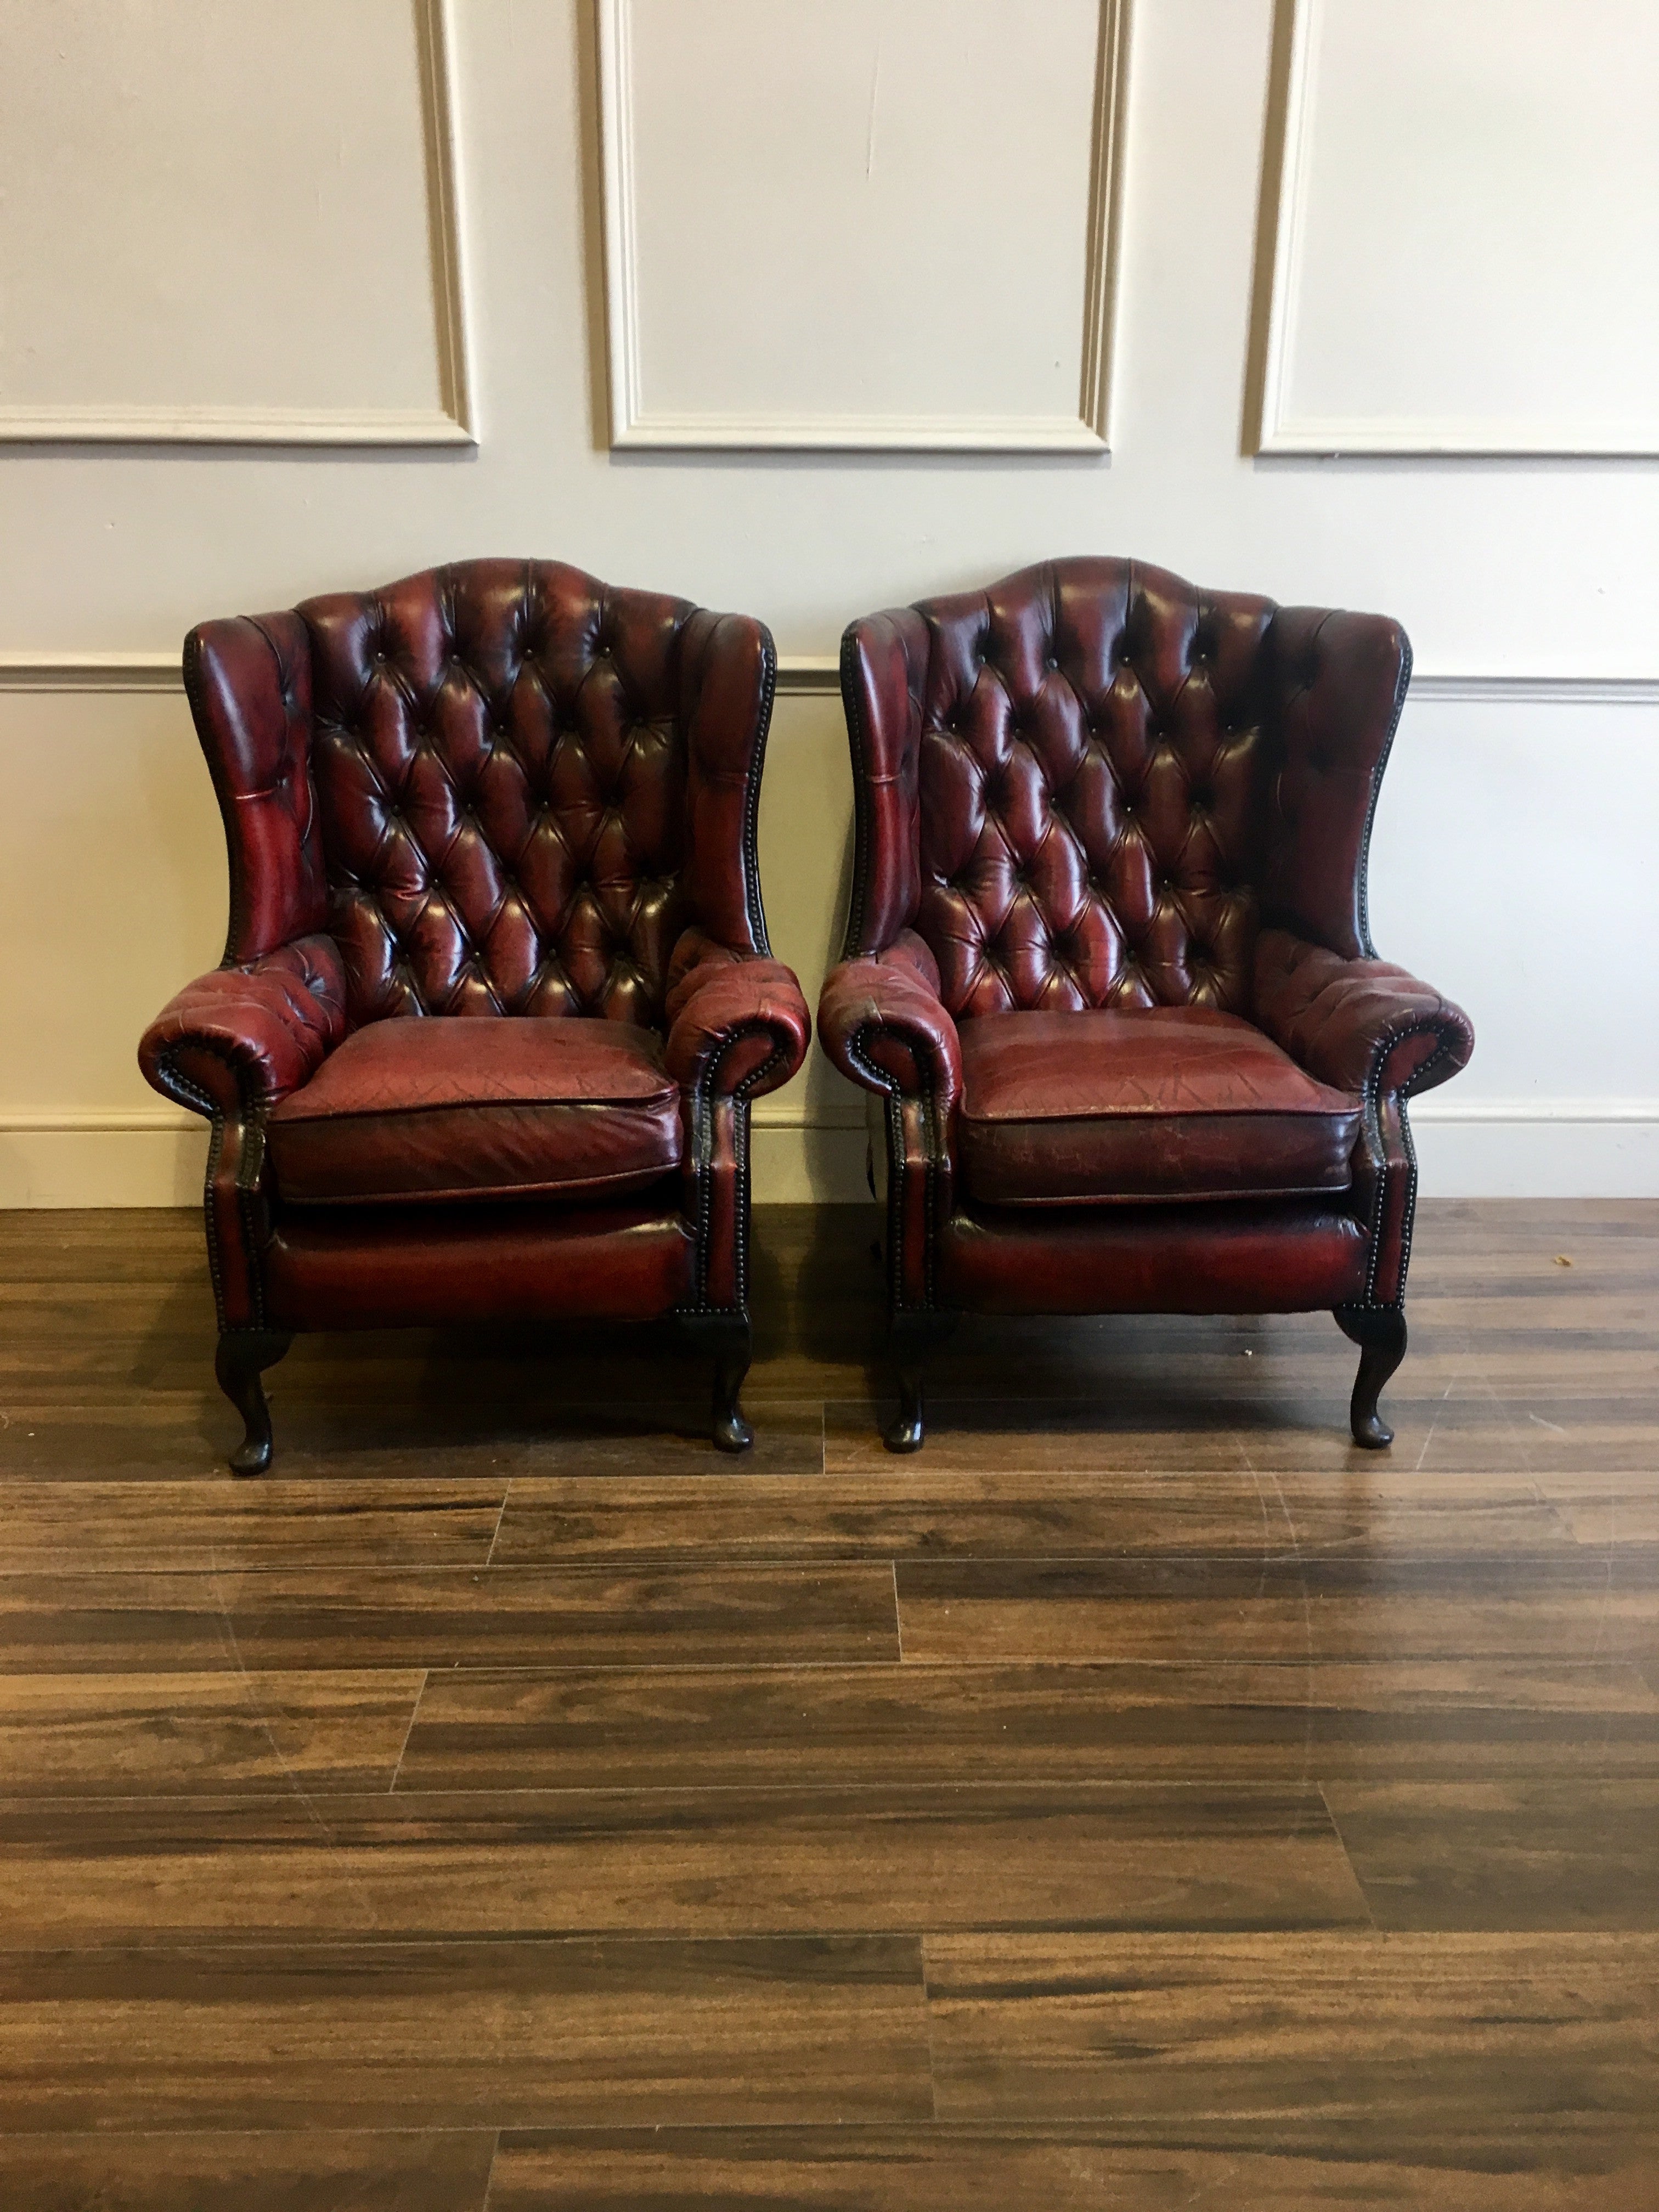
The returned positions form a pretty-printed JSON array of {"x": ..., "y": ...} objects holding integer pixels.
[
  {"x": 729, "y": 1338},
  {"x": 1380, "y": 1333},
  {"x": 907, "y": 1431},
  {"x": 242, "y": 1357},
  {"x": 731, "y": 1431},
  {"x": 913, "y": 1336}
]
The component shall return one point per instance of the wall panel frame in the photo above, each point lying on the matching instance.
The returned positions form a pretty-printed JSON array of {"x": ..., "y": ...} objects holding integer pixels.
[
  {"x": 1273, "y": 424},
  {"x": 449, "y": 424},
  {"x": 634, "y": 425}
]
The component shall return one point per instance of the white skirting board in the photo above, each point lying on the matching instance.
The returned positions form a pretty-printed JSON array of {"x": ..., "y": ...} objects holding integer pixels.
[
  {"x": 1474, "y": 1149},
  {"x": 1566, "y": 1149},
  {"x": 85, "y": 1164}
]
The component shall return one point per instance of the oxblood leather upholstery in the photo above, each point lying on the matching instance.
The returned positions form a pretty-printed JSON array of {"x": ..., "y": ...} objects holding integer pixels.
[
  {"x": 1099, "y": 810},
  {"x": 1153, "y": 1258},
  {"x": 473, "y": 1264},
  {"x": 437, "y": 1109},
  {"x": 506, "y": 796},
  {"x": 1104, "y": 1108}
]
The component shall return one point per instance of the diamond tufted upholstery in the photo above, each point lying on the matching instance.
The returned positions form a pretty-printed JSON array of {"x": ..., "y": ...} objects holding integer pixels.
[
  {"x": 1094, "y": 790},
  {"x": 1090, "y": 796},
  {"x": 501, "y": 783},
  {"x": 492, "y": 794}
]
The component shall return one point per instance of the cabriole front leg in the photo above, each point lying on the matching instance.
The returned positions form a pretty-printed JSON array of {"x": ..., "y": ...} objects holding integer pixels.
[
  {"x": 912, "y": 1336},
  {"x": 729, "y": 1340},
  {"x": 1380, "y": 1333},
  {"x": 242, "y": 1357}
]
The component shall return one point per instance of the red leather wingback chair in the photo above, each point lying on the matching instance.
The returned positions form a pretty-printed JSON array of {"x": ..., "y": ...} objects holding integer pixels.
[
  {"x": 1109, "y": 965},
  {"x": 497, "y": 991}
]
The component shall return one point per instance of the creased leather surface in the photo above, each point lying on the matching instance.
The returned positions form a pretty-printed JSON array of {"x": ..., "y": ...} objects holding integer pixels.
[
  {"x": 881, "y": 1022},
  {"x": 883, "y": 665},
  {"x": 249, "y": 684},
  {"x": 1171, "y": 1102},
  {"x": 1336, "y": 682},
  {"x": 243, "y": 1038},
  {"x": 1287, "y": 1257},
  {"x": 1360, "y": 1024},
  {"x": 882, "y": 1025},
  {"x": 392, "y": 1267},
  {"x": 448, "y": 1109},
  {"x": 740, "y": 1027}
]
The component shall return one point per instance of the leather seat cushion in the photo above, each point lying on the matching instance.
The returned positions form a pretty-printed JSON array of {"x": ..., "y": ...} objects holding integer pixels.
[
  {"x": 1168, "y": 1102},
  {"x": 429, "y": 1108}
]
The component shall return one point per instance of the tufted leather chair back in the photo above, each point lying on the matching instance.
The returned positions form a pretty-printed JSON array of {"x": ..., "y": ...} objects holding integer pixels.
[
  {"x": 1079, "y": 785},
  {"x": 501, "y": 787}
]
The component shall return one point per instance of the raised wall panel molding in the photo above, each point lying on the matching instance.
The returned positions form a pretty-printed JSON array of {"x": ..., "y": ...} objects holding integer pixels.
[
  {"x": 857, "y": 433},
  {"x": 809, "y": 674},
  {"x": 95, "y": 1121},
  {"x": 632, "y": 424},
  {"x": 1519, "y": 1112},
  {"x": 1276, "y": 427},
  {"x": 1538, "y": 691},
  {"x": 1427, "y": 438},
  {"x": 235, "y": 426},
  {"x": 450, "y": 424},
  {"x": 818, "y": 675},
  {"x": 91, "y": 671}
]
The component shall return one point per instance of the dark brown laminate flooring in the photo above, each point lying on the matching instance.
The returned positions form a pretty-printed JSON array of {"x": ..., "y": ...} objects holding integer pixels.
[{"x": 1140, "y": 1799}]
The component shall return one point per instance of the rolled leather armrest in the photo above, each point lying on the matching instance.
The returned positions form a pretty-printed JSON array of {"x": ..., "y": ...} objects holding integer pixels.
[
  {"x": 882, "y": 1025},
  {"x": 737, "y": 1026},
  {"x": 240, "y": 1040},
  {"x": 1363, "y": 1026}
]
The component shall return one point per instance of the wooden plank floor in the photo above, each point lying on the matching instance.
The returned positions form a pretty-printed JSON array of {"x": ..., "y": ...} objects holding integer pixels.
[{"x": 1140, "y": 1799}]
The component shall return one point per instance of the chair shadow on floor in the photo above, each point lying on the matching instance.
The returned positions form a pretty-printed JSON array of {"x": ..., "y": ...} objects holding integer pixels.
[{"x": 635, "y": 1397}]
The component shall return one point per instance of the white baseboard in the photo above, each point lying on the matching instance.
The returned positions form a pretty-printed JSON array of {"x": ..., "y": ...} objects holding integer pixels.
[
  {"x": 806, "y": 1166},
  {"x": 1499, "y": 1148},
  {"x": 1611, "y": 1152},
  {"x": 162, "y": 1164}
]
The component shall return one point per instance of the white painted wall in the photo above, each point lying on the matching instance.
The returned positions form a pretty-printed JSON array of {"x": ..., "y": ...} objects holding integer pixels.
[
  {"x": 1491, "y": 169},
  {"x": 887, "y": 225},
  {"x": 218, "y": 222},
  {"x": 1513, "y": 859}
]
